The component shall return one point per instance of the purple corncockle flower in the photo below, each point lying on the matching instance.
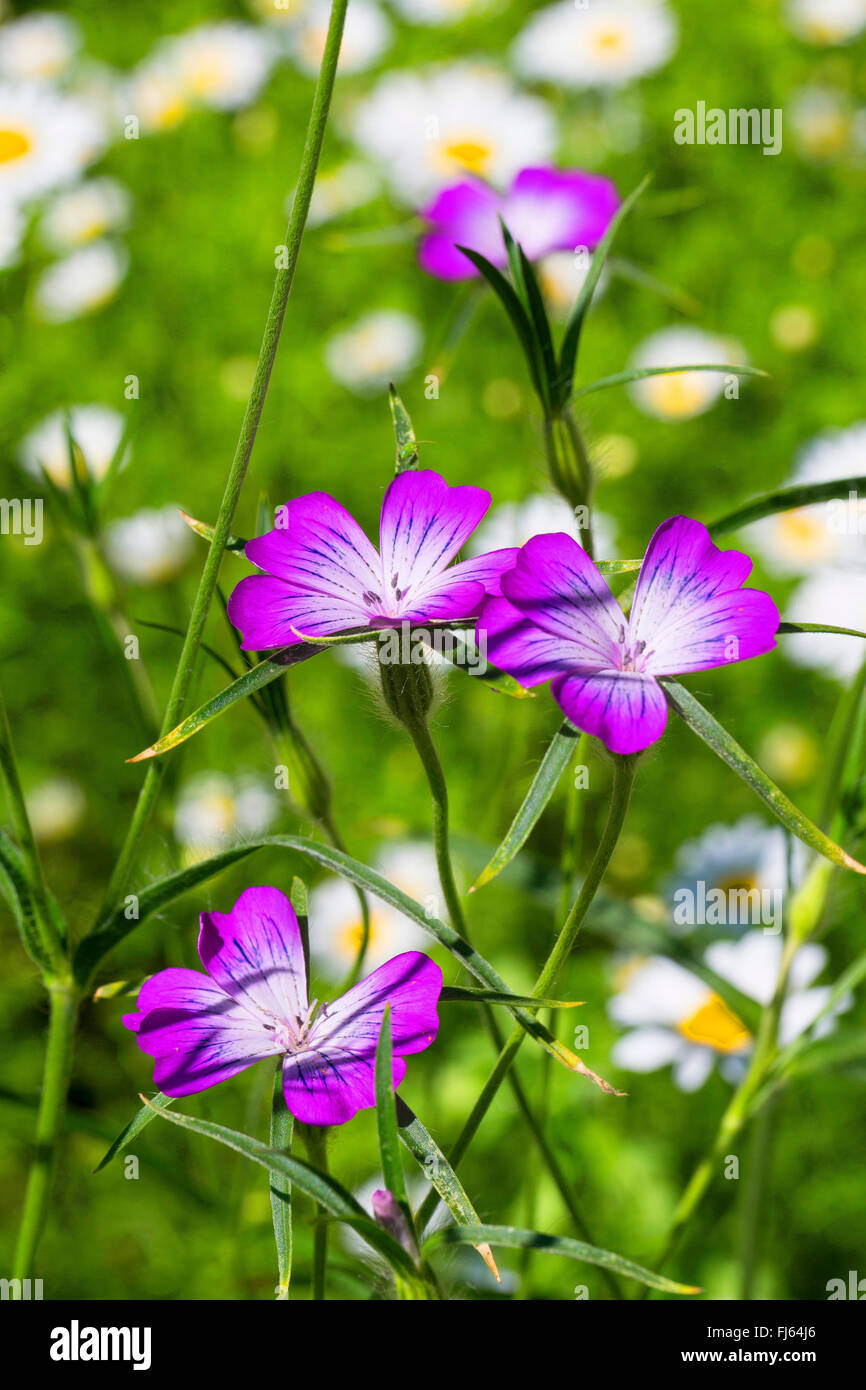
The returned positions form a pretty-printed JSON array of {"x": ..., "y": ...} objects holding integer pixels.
[
  {"x": 544, "y": 210},
  {"x": 252, "y": 1004},
  {"x": 558, "y": 621},
  {"x": 323, "y": 576}
]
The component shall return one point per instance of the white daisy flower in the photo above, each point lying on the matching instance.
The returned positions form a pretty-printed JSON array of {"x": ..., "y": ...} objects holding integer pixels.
[
  {"x": 834, "y": 596},
  {"x": 278, "y": 11},
  {"x": 677, "y": 1020},
  {"x": 561, "y": 275},
  {"x": 834, "y": 532},
  {"x": 56, "y": 808},
  {"x": 96, "y": 430},
  {"x": 438, "y": 11},
  {"x": 150, "y": 547},
  {"x": 37, "y": 47},
  {"x": 214, "y": 811},
  {"x": 12, "y": 225},
  {"x": 514, "y": 523},
  {"x": 46, "y": 140},
  {"x": 335, "y": 915},
  {"x": 222, "y": 65},
  {"x": 680, "y": 395},
  {"x": 428, "y": 129},
  {"x": 155, "y": 94},
  {"x": 81, "y": 283},
  {"x": 76, "y": 216},
  {"x": 749, "y": 856},
  {"x": 379, "y": 348},
  {"x": 826, "y": 21},
  {"x": 604, "y": 43},
  {"x": 366, "y": 35},
  {"x": 343, "y": 189},
  {"x": 822, "y": 119}
]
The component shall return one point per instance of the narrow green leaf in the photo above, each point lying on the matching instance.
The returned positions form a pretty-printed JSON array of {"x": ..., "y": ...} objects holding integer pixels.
[
  {"x": 786, "y": 500},
  {"x": 13, "y": 884},
  {"x": 820, "y": 627},
  {"x": 103, "y": 486},
  {"x": 465, "y": 994},
  {"x": 146, "y": 1115},
  {"x": 559, "y": 753},
  {"x": 515, "y": 1239},
  {"x": 638, "y": 374},
  {"x": 464, "y": 654},
  {"x": 540, "y": 321},
  {"x": 426, "y": 1152},
  {"x": 116, "y": 927},
  {"x": 321, "y": 1187},
  {"x": 518, "y": 315},
  {"x": 282, "y": 1129},
  {"x": 701, "y": 722},
  {"x": 617, "y": 566},
  {"x": 406, "y": 455},
  {"x": 179, "y": 632},
  {"x": 571, "y": 340},
  {"x": 386, "y": 1119},
  {"x": 203, "y": 529}
]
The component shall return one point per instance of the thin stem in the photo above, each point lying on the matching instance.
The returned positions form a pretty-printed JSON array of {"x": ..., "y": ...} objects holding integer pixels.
[
  {"x": 316, "y": 1139},
  {"x": 252, "y": 415},
  {"x": 51, "y": 947},
  {"x": 58, "y": 1059},
  {"x": 570, "y": 468},
  {"x": 624, "y": 772},
  {"x": 757, "y": 1164},
  {"x": 282, "y": 1126}
]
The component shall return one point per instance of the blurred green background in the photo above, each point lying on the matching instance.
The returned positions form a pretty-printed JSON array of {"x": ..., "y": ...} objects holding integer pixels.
[{"x": 746, "y": 236}]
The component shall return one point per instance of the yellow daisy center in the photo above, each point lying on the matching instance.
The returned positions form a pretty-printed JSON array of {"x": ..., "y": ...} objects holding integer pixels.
[
  {"x": 471, "y": 153},
  {"x": 14, "y": 144},
  {"x": 677, "y": 394},
  {"x": 610, "y": 40},
  {"x": 714, "y": 1025},
  {"x": 350, "y": 938},
  {"x": 803, "y": 534},
  {"x": 208, "y": 74},
  {"x": 735, "y": 883}
]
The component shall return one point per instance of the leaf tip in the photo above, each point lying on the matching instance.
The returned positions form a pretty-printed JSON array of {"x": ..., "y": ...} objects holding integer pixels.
[
  {"x": 487, "y": 1256},
  {"x": 146, "y": 753}
]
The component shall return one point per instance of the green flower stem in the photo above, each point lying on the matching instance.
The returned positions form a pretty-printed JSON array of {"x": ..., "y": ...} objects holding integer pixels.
[
  {"x": 569, "y": 466},
  {"x": 63, "y": 998},
  {"x": 757, "y": 1165},
  {"x": 52, "y": 948},
  {"x": 255, "y": 404},
  {"x": 316, "y": 1140},
  {"x": 624, "y": 772},
  {"x": 282, "y": 1126},
  {"x": 106, "y": 601},
  {"x": 739, "y": 1110}
]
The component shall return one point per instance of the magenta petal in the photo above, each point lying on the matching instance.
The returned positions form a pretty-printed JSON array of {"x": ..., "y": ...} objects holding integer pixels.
[
  {"x": 320, "y": 546},
  {"x": 557, "y": 587},
  {"x": 271, "y": 613},
  {"x": 625, "y": 710},
  {"x": 423, "y": 525},
  {"x": 517, "y": 646},
  {"x": 196, "y": 1033},
  {"x": 690, "y": 611},
  {"x": 488, "y": 569},
  {"x": 255, "y": 954},
  {"x": 329, "y": 1086},
  {"x": 464, "y": 214},
  {"x": 552, "y": 210},
  {"x": 439, "y": 256},
  {"x": 411, "y": 983}
]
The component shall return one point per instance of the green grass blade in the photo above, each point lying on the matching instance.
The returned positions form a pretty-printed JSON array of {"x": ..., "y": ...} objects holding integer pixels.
[
  {"x": 386, "y": 1119},
  {"x": 406, "y": 454},
  {"x": 282, "y": 1129},
  {"x": 638, "y": 374},
  {"x": 465, "y": 994},
  {"x": 145, "y": 1116},
  {"x": 820, "y": 627},
  {"x": 559, "y": 753},
  {"x": 786, "y": 499},
  {"x": 701, "y": 722},
  {"x": 426, "y": 1152},
  {"x": 512, "y": 1238},
  {"x": 515, "y": 310}
]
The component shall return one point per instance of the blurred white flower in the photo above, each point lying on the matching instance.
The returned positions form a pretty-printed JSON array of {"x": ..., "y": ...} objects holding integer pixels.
[
  {"x": 214, "y": 811},
  {"x": 350, "y": 185},
  {"x": 366, "y": 35},
  {"x": 278, "y": 11},
  {"x": 222, "y": 65},
  {"x": 605, "y": 43},
  {"x": 797, "y": 541},
  {"x": 76, "y": 216},
  {"x": 748, "y": 855},
  {"x": 12, "y": 225},
  {"x": 680, "y": 395},
  {"x": 81, "y": 283},
  {"x": 37, "y": 47},
  {"x": 826, "y": 21},
  {"x": 96, "y": 430},
  {"x": 427, "y": 129},
  {"x": 335, "y": 914},
  {"x": 514, "y": 523},
  {"x": 379, "y": 348},
  {"x": 823, "y": 121},
  {"x": 46, "y": 140},
  {"x": 56, "y": 808},
  {"x": 677, "y": 1020},
  {"x": 438, "y": 11},
  {"x": 151, "y": 546},
  {"x": 834, "y": 596},
  {"x": 155, "y": 94}
]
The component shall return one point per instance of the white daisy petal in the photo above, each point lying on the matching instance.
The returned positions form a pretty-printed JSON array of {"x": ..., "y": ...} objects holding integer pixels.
[
  {"x": 606, "y": 43},
  {"x": 646, "y": 1049}
]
